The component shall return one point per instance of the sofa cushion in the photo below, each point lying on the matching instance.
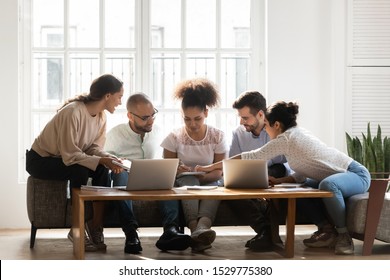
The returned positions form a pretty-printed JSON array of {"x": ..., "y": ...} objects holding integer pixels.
[
  {"x": 356, "y": 216},
  {"x": 47, "y": 202}
]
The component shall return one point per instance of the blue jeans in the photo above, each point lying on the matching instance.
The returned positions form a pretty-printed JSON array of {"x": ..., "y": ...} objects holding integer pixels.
[
  {"x": 169, "y": 209},
  {"x": 343, "y": 185}
]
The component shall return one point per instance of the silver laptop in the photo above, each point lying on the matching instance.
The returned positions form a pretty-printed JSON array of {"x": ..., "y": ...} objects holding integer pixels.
[
  {"x": 245, "y": 174},
  {"x": 152, "y": 174}
]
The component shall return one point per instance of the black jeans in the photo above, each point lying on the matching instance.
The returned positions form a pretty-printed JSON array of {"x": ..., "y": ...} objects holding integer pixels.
[
  {"x": 257, "y": 211},
  {"x": 53, "y": 168}
]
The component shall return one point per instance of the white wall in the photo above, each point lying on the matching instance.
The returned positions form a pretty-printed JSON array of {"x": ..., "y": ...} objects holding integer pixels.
[
  {"x": 300, "y": 53},
  {"x": 13, "y": 211},
  {"x": 305, "y": 63}
]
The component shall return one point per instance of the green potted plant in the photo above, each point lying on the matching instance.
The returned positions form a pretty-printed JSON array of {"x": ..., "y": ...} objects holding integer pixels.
[{"x": 372, "y": 152}]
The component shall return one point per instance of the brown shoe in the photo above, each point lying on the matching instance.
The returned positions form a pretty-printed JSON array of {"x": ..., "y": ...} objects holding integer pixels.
[{"x": 322, "y": 238}]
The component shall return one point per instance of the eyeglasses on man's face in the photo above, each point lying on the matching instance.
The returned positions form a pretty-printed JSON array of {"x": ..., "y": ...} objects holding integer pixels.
[{"x": 146, "y": 118}]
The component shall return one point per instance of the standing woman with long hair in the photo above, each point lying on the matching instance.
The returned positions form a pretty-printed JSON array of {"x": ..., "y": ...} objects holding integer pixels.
[
  {"x": 70, "y": 147},
  {"x": 197, "y": 143}
]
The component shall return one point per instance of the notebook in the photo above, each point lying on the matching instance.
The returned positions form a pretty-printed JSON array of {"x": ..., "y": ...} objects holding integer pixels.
[
  {"x": 245, "y": 174},
  {"x": 152, "y": 174}
]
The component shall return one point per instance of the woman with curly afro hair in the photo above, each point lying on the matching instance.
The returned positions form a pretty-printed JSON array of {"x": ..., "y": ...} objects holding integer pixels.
[{"x": 197, "y": 143}]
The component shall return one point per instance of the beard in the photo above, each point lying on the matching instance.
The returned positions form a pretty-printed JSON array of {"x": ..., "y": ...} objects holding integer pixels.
[
  {"x": 252, "y": 128},
  {"x": 143, "y": 128}
]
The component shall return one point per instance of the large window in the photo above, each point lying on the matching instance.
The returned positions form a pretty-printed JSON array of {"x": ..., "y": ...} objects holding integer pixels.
[{"x": 150, "y": 44}]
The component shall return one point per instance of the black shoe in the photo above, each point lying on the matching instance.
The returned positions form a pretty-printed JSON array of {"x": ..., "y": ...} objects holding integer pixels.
[
  {"x": 261, "y": 242},
  {"x": 172, "y": 239},
  {"x": 249, "y": 241},
  {"x": 132, "y": 244}
]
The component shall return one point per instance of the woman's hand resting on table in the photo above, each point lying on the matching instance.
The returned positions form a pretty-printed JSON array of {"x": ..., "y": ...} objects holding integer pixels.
[{"x": 274, "y": 181}]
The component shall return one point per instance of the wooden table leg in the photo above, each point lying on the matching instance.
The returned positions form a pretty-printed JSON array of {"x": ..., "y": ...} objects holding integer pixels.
[
  {"x": 78, "y": 229},
  {"x": 290, "y": 227},
  {"x": 274, "y": 216}
]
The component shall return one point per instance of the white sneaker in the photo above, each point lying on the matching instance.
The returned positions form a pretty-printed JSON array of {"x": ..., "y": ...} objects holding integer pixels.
[
  {"x": 200, "y": 247},
  {"x": 203, "y": 235}
]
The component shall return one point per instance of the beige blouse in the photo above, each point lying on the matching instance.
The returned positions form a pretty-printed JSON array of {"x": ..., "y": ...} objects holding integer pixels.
[{"x": 74, "y": 135}]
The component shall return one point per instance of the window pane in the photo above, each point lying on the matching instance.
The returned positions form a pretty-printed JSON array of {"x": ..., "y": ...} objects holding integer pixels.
[
  {"x": 165, "y": 74},
  {"x": 48, "y": 23},
  {"x": 224, "y": 119},
  {"x": 84, "y": 23},
  {"x": 119, "y": 23},
  {"x": 235, "y": 24},
  {"x": 48, "y": 80},
  {"x": 122, "y": 66},
  {"x": 234, "y": 77},
  {"x": 119, "y": 116},
  {"x": 84, "y": 68},
  {"x": 165, "y": 30},
  {"x": 201, "y": 24},
  {"x": 167, "y": 120},
  {"x": 40, "y": 119},
  {"x": 201, "y": 66}
]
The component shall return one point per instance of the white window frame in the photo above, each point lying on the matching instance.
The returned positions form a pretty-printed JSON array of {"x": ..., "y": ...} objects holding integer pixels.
[{"x": 142, "y": 52}]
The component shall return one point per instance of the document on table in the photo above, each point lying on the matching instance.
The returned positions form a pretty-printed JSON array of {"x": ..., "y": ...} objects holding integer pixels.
[
  {"x": 201, "y": 187},
  {"x": 297, "y": 189},
  {"x": 288, "y": 185},
  {"x": 198, "y": 187},
  {"x": 96, "y": 188}
]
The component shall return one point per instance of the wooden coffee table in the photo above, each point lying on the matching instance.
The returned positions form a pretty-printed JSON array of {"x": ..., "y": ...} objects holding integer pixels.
[{"x": 80, "y": 196}]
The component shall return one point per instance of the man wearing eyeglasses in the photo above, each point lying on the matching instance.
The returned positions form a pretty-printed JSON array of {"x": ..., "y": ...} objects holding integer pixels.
[{"x": 139, "y": 139}]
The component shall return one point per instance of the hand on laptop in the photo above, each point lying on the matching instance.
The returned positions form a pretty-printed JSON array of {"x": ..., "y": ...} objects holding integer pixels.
[{"x": 272, "y": 180}]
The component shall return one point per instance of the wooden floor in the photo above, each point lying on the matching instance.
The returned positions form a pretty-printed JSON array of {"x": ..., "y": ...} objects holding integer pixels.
[{"x": 229, "y": 244}]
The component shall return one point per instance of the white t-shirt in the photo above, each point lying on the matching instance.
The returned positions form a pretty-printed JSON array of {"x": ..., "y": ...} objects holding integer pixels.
[
  {"x": 192, "y": 152},
  {"x": 123, "y": 142}
]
